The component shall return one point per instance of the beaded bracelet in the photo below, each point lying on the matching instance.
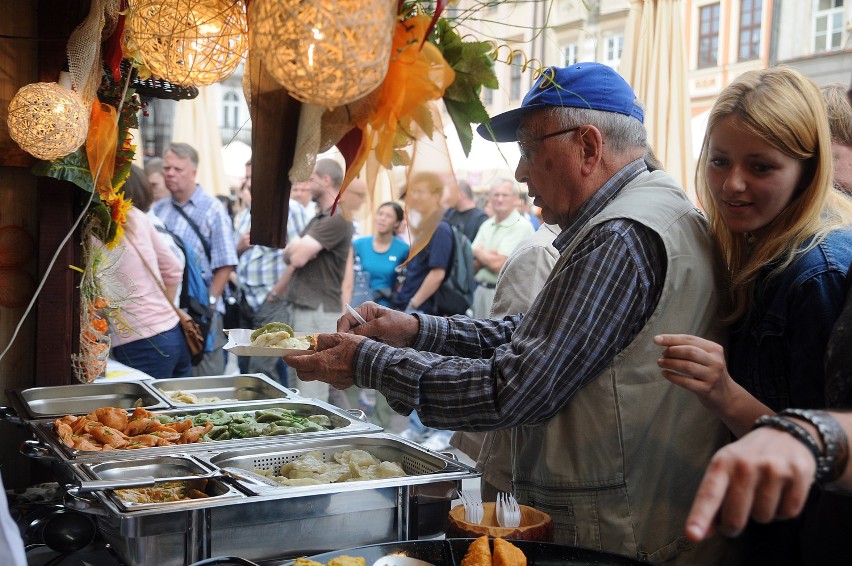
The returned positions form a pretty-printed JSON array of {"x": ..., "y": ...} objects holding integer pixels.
[
  {"x": 795, "y": 430},
  {"x": 835, "y": 451}
]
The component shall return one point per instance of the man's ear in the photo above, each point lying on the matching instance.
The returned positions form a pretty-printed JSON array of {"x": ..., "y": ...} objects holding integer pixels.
[{"x": 591, "y": 142}]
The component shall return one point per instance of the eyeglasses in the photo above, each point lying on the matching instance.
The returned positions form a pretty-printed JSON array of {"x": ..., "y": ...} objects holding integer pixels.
[{"x": 524, "y": 146}]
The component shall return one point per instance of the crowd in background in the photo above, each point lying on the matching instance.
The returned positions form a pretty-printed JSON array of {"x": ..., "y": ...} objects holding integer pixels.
[{"x": 329, "y": 261}]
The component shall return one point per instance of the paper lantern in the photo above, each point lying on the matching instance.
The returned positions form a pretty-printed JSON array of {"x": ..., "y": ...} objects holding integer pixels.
[
  {"x": 189, "y": 42},
  {"x": 324, "y": 52},
  {"x": 47, "y": 120}
]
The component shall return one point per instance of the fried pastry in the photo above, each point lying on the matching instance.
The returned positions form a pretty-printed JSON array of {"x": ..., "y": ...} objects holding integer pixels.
[
  {"x": 507, "y": 554},
  {"x": 478, "y": 553}
]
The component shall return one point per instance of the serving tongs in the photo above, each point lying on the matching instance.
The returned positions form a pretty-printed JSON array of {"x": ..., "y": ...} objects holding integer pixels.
[{"x": 229, "y": 475}]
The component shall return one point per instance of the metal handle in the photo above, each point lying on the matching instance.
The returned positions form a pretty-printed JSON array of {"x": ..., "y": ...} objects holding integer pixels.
[
  {"x": 357, "y": 414},
  {"x": 84, "y": 505},
  {"x": 36, "y": 450},
  {"x": 141, "y": 481},
  {"x": 9, "y": 414}
]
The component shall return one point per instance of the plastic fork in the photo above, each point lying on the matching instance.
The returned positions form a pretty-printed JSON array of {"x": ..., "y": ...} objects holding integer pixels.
[
  {"x": 508, "y": 511},
  {"x": 473, "y": 511}
]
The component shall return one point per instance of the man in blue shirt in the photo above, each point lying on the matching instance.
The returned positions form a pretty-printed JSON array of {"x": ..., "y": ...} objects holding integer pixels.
[{"x": 203, "y": 223}]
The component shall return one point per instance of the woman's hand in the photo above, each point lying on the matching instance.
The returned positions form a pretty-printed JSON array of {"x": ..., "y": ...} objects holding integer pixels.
[{"x": 698, "y": 365}]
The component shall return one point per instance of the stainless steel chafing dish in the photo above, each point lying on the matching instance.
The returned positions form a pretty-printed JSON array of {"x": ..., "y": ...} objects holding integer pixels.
[
  {"x": 280, "y": 522},
  {"x": 243, "y": 388},
  {"x": 343, "y": 423},
  {"x": 83, "y": 398}
]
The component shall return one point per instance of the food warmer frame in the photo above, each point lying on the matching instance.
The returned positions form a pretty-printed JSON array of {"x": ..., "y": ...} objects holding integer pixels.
[{"x": 248, "y": 517}]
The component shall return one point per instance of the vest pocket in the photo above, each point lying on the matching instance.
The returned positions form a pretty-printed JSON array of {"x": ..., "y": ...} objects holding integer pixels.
[{"x": 586, "y": 517}]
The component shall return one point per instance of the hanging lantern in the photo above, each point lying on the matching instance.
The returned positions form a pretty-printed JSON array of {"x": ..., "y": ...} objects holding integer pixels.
[
  {"x": 188, "y": 42},
  {"x": 324, "y": 52},
  {"x": 47, "y": 120}
]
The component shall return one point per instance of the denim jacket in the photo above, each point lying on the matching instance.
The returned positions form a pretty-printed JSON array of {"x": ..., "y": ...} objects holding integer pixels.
[{"x": 777, "y": 350}]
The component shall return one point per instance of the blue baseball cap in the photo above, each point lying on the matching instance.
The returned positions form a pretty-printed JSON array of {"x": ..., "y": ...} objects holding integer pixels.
[{"x": 584, "y": 85}]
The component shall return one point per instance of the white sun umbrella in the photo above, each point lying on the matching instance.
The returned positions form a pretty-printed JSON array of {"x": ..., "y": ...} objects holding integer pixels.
[
  {"x": 654, "y": 63},
  {"x": 196, "y": 124}
]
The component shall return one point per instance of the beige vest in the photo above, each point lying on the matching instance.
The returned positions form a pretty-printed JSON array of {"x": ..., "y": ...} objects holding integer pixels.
[{"x": 618, "y": 467}]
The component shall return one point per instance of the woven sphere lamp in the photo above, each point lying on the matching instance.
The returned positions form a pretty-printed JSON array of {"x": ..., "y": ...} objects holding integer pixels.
[
  {"x": 47, "y": 120},
  {"x": 189, "y": 42},
  {"x": 324, "y": 52}
]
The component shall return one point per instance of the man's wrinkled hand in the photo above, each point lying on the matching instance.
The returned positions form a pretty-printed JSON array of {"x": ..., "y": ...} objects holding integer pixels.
[
  {"x": 332, "y": 363},
  {"x": 383, "y": 324}
]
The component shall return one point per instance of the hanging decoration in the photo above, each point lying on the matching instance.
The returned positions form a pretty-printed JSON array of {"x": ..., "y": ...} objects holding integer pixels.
[
  {"x": 47, "y": 120},
  {"x": 324, "y": 52},
  {"x": 188, "y": 42}
]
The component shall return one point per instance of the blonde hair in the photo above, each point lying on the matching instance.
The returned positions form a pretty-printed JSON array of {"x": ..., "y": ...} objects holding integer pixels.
[
  {"x": 785, "y": 109},
  {"x": 839, "y": 112}
]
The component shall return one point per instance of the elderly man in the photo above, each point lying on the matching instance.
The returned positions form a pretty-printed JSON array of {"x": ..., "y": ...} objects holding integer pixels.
[
  {"x": 318, "y": 261},
  {"x": 610, "y": 449},
  {"x": 496, "y": 239},
  {"x": 203, "y": 223}
]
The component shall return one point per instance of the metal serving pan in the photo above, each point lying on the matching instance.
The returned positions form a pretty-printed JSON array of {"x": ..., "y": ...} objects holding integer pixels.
[
  {"x": 229, "y": 389},
  {"x": 422, "y": 466},
  {"x": 344, "y": 423},
  {"x": 278, "y": 523},
  {"x": 83, "y": 398},
  {"x": 162, "y": 468}
]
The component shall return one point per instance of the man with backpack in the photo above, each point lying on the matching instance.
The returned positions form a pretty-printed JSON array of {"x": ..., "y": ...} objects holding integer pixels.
[
  {"x": 496, "y": 239},
  {"x": 203, "y": 224}
]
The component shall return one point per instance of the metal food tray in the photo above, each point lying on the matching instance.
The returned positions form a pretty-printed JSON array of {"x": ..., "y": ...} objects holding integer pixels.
[
  {"x": 344, "y": 422},
  {"x": 80, "y": 399},
  {"x": 287, "y": 522},
  {"x": 422, "y": 466},
  {"x": 164, "y": 467},
  {"x": 242, "y": 388}
]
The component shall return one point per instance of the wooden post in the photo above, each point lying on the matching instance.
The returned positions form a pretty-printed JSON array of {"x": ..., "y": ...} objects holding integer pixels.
[{"x": 275, "y": 120}]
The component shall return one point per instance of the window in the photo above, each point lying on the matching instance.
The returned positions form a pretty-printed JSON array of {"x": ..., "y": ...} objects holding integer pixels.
[
  {"x": 614, "y": 47},
  {"x": 708, "y": 36},
  {"x": 487, "y": 96},
  {"x": 569, "y": 54},
  {"x": 515, "y": 76},
  {"x": 750, "y": 29},
  {"x": 828, "y": 25},
  {"x": 231, "y": 110}
]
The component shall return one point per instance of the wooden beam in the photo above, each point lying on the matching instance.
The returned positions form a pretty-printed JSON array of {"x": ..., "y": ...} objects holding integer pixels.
[{"x": 275, "y": 119}]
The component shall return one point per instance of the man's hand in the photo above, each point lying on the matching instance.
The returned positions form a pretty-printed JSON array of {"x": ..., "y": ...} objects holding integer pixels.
[
  {"x": 385, "y": 325},
  {"x": 765, "y": 475},
  {"x": 332, "y": 363}
]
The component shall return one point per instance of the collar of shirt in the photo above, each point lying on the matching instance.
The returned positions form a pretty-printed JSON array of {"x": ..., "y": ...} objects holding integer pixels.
[
  {"x": 510, "y": 220},
  {"x": 599, "y": 200}
]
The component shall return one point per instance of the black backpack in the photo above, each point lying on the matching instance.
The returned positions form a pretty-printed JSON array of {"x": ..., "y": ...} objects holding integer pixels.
[{"x": 455, "y": 295}]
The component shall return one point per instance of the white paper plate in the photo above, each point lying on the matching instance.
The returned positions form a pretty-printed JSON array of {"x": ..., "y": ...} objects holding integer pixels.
[{"x": 239, "y": 343}]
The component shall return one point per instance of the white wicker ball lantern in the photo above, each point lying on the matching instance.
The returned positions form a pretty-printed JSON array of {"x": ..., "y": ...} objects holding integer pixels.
[
  {"x": 324, "y": 52},
  {"x": 189, "y": 42},
  {"x": 47, "y": 120}
]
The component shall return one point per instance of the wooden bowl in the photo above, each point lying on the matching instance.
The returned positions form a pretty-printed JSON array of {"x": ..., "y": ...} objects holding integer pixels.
[{"x": 535, "y": 525}]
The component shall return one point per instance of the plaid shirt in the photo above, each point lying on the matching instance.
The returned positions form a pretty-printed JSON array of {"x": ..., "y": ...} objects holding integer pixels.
[
  {"x": 214, "y": 223},
  {"x": 487, "y": 374},
  {"x": 260, "y": 267}
]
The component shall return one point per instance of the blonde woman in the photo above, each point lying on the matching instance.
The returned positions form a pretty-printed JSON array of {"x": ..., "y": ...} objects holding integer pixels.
[{"x": 765, "y": 178}]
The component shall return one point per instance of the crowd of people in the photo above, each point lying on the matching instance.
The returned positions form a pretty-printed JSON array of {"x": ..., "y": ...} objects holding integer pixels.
[{"x": 614, "y": 346}]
